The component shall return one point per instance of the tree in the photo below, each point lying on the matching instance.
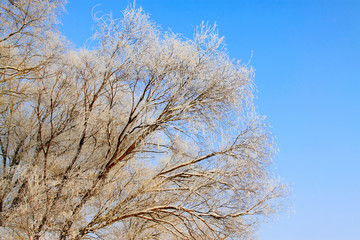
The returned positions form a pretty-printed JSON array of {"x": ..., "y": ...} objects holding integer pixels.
[{"x": 144, "y": 135}]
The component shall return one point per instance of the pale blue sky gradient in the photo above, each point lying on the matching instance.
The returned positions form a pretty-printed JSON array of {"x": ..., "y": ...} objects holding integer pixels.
[{"x": 306, "y": 55}]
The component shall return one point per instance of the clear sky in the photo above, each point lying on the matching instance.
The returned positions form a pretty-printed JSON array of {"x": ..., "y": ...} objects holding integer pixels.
[{"x": 307, "y": 59}]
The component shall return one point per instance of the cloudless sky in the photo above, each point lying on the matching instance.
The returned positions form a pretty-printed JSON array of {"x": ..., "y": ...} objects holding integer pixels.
[{"x": 306, "y": 54}]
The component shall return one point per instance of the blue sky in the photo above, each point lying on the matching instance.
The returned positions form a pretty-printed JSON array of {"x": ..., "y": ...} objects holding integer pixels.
[{"x": 306, "y": 55}]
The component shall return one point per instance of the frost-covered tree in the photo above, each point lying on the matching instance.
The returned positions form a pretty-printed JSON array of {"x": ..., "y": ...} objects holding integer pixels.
[{"x": 145, "y": 135}]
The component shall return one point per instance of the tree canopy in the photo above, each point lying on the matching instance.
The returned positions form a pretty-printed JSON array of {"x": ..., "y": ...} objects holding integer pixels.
[{"x": 143, "y": 135}]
